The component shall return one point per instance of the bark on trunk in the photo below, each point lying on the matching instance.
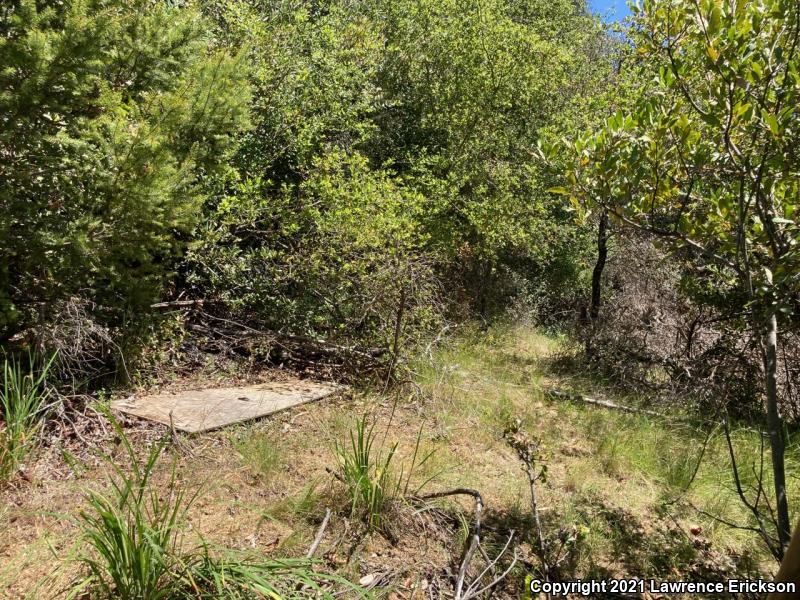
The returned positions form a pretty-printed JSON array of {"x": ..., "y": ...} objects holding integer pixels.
[
  {"x": 790, "y": 568},
  {"x": 769, "y": 347},
  {"x": 597, "y": 278},
  {"x": 398, "y": 327},
  {"x": 597, "y": 273}
]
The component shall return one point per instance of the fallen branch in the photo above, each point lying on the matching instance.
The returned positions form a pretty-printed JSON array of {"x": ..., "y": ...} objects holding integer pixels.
[
  {"x": 229, "y": 335},
  {"x": 475, "y": 593},
  {"x": 177, "y": 304},
  {"x": 326, "y": 347},
  {"x": 473, "y": 590},
  {"x": 334, "y": 474},
  {"x": 604, "y": 403},
  {"x": 320, "y": 533}
]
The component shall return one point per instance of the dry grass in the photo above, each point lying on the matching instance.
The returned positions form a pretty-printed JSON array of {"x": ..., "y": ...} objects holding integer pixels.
[{"x": 612, "y": 478}]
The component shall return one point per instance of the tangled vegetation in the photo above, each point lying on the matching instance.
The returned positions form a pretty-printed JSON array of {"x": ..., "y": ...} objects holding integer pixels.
[{"x": 376, "y": 192}]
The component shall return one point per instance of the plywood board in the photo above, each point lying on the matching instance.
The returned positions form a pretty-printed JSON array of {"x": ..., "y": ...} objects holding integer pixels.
[{"x": 202, "y": 410}]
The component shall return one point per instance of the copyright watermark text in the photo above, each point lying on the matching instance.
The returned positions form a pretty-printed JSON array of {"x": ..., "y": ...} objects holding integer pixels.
[{"x": 590, "y": 587}]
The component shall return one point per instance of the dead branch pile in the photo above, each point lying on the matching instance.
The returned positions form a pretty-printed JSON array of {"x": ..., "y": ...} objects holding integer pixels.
[
  {"x": 219, "y": 335},
  {"x": 652, "y": 335},
  {"x": 84, "y": 349}
]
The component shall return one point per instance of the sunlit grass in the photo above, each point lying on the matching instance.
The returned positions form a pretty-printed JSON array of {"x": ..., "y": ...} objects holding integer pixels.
[
  {"x": 374, "y": 474},
  {"x": 261, "y": 452},
  {"x": 134, "y": 545},
  {"x": 23, "y": 401},
  {"x": 647, "y": 464}
]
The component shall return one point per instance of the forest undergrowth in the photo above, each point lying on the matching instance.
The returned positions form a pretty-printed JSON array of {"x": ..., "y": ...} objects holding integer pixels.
[{"x": 624, "y": 494}]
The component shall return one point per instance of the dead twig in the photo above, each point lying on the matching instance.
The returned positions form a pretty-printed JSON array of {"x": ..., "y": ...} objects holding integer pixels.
[
  {"x": 472, "y": 592},
  {"x": 176, "y": 439},
  {"x": 177, "y": 304},
  {"x": 603, "y": 403},
  {"x": 529, "y": 453},
  {"x": 320, "y": 533},
  {"x": 752, "y": 506},
  {"x": 462, "y": 590}
]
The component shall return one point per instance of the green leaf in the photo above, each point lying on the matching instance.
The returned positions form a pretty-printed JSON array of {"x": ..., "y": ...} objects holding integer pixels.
[
  {"x": 771, "y": 121},
  {"x": 561, "y": 191},
  {"x": 714, "y": 19}
]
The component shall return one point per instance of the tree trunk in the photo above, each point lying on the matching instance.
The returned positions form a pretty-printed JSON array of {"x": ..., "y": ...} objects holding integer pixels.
[
  {"x": 398, "y": 327},
  {"x": 597, "y": 277},
  {"x": 597, "y": 273},
  {"x": 769, "y": 350}
]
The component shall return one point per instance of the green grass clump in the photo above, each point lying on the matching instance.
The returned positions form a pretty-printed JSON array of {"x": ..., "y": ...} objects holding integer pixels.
[
  {"x": 134, "y": 532},
  {"x": 23, "y": 400},
  {"x": 260, "y": 453},
  {"x": 369, "y": 474},
  {"x": 133, "y": 536},
  {"x": 303, "y": 506}
]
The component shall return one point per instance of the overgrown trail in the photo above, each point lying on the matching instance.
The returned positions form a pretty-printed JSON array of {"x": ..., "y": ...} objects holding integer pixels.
[
  {"x": 227, "y": 194},
  {"x": 614, "y": 490}
]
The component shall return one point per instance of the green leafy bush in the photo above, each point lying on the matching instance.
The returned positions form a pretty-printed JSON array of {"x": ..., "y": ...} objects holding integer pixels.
[
  {"x": 117, "y": 118},
  {"x": 390, "y": 160},
  {"x": 340, "y": 256}
]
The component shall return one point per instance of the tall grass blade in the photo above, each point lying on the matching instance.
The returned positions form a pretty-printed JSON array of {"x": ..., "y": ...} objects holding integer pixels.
[{"x": 23, "y": 402}]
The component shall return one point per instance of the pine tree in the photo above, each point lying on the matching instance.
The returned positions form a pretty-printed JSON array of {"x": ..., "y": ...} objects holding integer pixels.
[{"x": 116, "y": 117}]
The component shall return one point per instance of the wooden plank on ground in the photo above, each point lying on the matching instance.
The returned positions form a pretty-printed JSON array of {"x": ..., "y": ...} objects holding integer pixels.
[{"x": 202, "y": 410}]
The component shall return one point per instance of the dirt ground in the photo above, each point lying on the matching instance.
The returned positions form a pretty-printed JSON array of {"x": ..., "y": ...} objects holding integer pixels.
[{"x": 264, "y": 486}]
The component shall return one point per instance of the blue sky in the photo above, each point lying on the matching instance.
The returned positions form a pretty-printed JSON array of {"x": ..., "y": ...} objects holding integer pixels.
[{"x": 610, "y": 10}]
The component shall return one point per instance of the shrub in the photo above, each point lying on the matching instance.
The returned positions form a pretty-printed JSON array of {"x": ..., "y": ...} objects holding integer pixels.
[
  {"x": 339, "y": 257},
  {"x": 117, "y": 118}
]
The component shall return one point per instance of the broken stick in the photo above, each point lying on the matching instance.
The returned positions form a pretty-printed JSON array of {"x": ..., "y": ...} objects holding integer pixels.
[
  {"x": 604, "y": 403},
  {"x": 474, "y": 590},
  {"x": 320, "y": 533}
]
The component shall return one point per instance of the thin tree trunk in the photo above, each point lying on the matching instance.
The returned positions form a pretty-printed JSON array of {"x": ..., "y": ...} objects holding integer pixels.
[
  {"x": 769, "y": 347},
  {"x": 398, "y": 327},
  {"x": 599, "y": 265},
  {"x": 790, "y": 568},
  {"x": 597, "y": 278}
]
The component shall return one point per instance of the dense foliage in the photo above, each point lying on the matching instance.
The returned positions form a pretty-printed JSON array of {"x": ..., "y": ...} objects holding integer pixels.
[
  {"x": 320, "y": 169},
  {"x": 391, "y": 155},
  {"x": 355, "y": 176},
  {"x": 705, "y": 159},
  {"x": 116, "y": 121}
]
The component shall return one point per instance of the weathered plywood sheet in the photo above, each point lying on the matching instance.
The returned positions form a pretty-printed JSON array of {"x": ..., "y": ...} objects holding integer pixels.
[{"x": 202, "y": 410}]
